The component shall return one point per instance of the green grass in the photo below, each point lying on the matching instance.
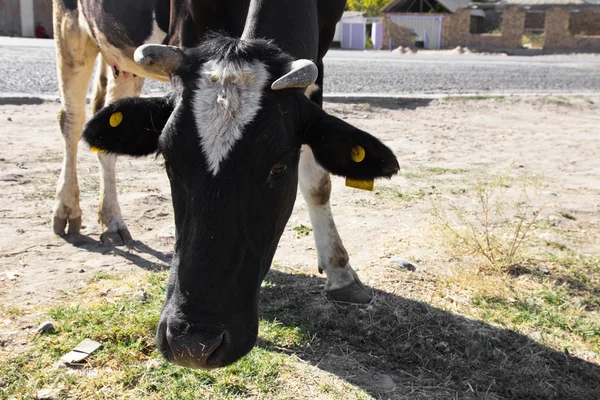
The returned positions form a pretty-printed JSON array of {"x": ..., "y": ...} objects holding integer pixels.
[
  {"x": 546, "y": 311},
  {"x": 125, "y": 327},
  {"x": 440, "y": 170},
  {"x": 390, "y": 192},
  {"x": 302, "y": 230}
]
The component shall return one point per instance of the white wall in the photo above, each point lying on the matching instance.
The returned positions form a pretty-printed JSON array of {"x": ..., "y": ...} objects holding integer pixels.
[{"x": 27, "y": 19}]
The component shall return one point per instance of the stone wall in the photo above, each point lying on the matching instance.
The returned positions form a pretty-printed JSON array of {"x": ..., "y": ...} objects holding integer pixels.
[
  {"x": 400, "y": 36},
  {"x": 558, "y": 36},
  {"x": 456, "y": 31},
  {"x": 10, "y": 18},
  {"x": 585, "y": 23}
]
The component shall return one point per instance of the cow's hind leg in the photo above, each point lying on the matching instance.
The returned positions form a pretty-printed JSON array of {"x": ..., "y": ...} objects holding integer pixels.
[
  {"x": 342, "y": 282},
  {"x": 76, "y": 53},
  {"x": 109, "y": 211}
]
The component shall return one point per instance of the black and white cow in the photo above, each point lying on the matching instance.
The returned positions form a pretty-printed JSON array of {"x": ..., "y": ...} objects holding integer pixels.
[
  {"x": 115, "y": 28},
  {"x": 237, "y": 134}
]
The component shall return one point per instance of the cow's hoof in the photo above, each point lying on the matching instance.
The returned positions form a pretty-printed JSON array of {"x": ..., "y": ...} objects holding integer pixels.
[
  {"x": 118, "y": 238},
  {"x": 60, "y": 224},
  {"x": 356, "y": 292}
]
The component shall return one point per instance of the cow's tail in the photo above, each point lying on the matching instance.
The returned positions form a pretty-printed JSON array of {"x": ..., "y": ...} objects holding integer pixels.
[{"x": 100, "y": 83}]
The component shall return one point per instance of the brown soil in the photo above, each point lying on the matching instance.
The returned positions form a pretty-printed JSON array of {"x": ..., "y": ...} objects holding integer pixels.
[{"x": 554, "y": 137}]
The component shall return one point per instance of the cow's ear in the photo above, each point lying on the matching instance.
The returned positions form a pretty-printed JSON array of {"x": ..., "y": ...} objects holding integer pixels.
[
  {"x": 129, "y": 126},
  {"x": 347, "y": 151}
]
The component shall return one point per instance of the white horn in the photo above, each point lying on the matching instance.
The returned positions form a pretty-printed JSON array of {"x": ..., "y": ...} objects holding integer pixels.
[
  {"x": 302, "y": 74},
  {"x": 158, "y": 56}
]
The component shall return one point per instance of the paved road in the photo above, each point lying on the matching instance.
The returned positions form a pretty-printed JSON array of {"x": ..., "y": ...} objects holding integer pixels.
[{"x": 27, "y": 66}]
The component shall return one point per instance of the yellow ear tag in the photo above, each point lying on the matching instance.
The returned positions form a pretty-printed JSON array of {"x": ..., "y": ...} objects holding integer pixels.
[
  {"x": 360, "y": 184},
  {"x": 95, "y": 150},
  {"x": 116, "y": 119},
  {"x": 357, "y": 153}
]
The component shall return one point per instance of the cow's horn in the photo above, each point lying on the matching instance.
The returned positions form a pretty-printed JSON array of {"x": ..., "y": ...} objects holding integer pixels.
[
  {"x": 302, "y": 74},
  {"x": 158, "y": 56}
]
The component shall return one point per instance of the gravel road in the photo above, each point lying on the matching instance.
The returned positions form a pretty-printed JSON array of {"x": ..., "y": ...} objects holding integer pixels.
[{"x": 28, "y": 67}]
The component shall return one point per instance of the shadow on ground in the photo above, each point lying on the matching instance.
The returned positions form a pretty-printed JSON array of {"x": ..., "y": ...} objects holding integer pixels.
[
  {"x": 398, "y": 348},
  {"x": 382, "y": 102},
  {"x": 95, "y": 246}
]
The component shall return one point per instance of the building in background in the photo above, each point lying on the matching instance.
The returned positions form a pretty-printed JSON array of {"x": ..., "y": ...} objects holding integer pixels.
[
  {"x": 418, "y": 23},
  {"x": 21, "y": 17},
  {"x": 506, "y": 25}
]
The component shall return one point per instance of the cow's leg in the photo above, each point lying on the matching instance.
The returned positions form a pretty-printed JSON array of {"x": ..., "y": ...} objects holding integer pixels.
[
  {"x": 315, "y": 184},
  {"x": 109, "y": 211},
  {"x": 342, "y": 282},
  {"x": 76, "y": 53}
]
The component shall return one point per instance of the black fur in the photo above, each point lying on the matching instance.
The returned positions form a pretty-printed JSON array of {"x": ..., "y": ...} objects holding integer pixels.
[
  {"x": 332, "y": 140},
  {"x": 70, "y": 5},
  {"x": 138, "y": 132}
]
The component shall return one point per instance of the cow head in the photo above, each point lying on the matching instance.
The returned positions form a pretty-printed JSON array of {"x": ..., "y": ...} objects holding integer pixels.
[{"x": 230, "y": 134}]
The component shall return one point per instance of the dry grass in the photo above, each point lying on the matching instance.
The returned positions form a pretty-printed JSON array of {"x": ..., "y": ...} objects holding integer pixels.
[{"x": 495, "y": 223}]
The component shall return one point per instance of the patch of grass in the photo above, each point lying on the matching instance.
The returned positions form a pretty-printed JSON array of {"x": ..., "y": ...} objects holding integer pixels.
[
  {"x": 302, "y": 230},
  {"x": 411, "y": 175},
  {"x": 104, "y": 276},
  {"x": 546, "y": 312},
  {"x": 11, "y": 311},
  {"x": 390, "y": 192},
  {"x": 128, "y": 366},
  {"x": 440, "y": 170}
]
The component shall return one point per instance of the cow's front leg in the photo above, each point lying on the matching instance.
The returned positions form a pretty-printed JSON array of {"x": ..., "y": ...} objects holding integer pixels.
[
  {"x": 115, "y": 230},
  {"x": 342, "y": 282}
]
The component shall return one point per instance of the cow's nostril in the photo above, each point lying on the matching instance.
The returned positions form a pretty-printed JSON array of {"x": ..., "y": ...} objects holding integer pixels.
[
  {"x": 209, "y": 347},
  {"x": 194, "y": 350}
]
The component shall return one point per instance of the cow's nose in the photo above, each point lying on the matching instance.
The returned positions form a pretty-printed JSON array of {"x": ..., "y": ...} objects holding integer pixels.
[{"x": 195, "y": 350}]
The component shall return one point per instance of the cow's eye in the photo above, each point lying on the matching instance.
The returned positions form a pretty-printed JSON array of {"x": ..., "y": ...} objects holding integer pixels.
[{"x": 278, "y": 169}]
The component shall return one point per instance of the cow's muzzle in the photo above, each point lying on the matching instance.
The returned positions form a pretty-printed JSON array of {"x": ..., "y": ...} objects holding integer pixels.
[{"x": 196, "y": 346}]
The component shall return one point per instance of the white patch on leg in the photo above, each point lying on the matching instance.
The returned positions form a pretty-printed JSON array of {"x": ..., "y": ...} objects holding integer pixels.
[
  {"x": 158, "y": 35},
  {"x": 109, "y": 211},
  {"x": 315, "y": 187},
  {"x": 227, "y": 98}
]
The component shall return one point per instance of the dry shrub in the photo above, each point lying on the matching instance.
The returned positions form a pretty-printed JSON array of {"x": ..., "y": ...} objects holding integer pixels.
[{"x": 497, "y": 221}]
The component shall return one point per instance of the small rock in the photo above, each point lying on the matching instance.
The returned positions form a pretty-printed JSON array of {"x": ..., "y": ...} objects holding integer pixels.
[
  {"x": 442, "y": 347},
  {"x": 141, "y": 296},
  {"x": 12, "y": 275},
  {"x": 9, "y": 119},
  {"x": 45, "y": 327},
  {"x": 59, "y": 365},
  {"x": 385, "y": 382},
  {"x": 543, "y": 269},
  {"x": 407, "y": 265},
  {"x": 153, "y": 363},
  {"x": 47, "y": 394},
  {"x": 81, "y": 351},
  {"x": 81, "y": 270}
]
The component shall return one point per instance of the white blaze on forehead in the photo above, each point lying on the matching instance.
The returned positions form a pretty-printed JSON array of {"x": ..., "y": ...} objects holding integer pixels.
[{"x": 227, "y": 98}]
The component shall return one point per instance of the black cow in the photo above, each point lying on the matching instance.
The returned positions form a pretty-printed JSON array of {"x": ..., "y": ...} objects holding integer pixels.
[
  {"x": 115, "y": 28},
  {"x": 231, "y": 135}
]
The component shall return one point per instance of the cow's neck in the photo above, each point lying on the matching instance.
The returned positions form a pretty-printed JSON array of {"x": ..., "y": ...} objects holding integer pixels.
[{"x": 292, "y": 24}]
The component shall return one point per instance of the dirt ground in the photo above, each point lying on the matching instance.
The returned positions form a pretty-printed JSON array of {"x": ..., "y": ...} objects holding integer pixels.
[{"x": 555, "y": 137}]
